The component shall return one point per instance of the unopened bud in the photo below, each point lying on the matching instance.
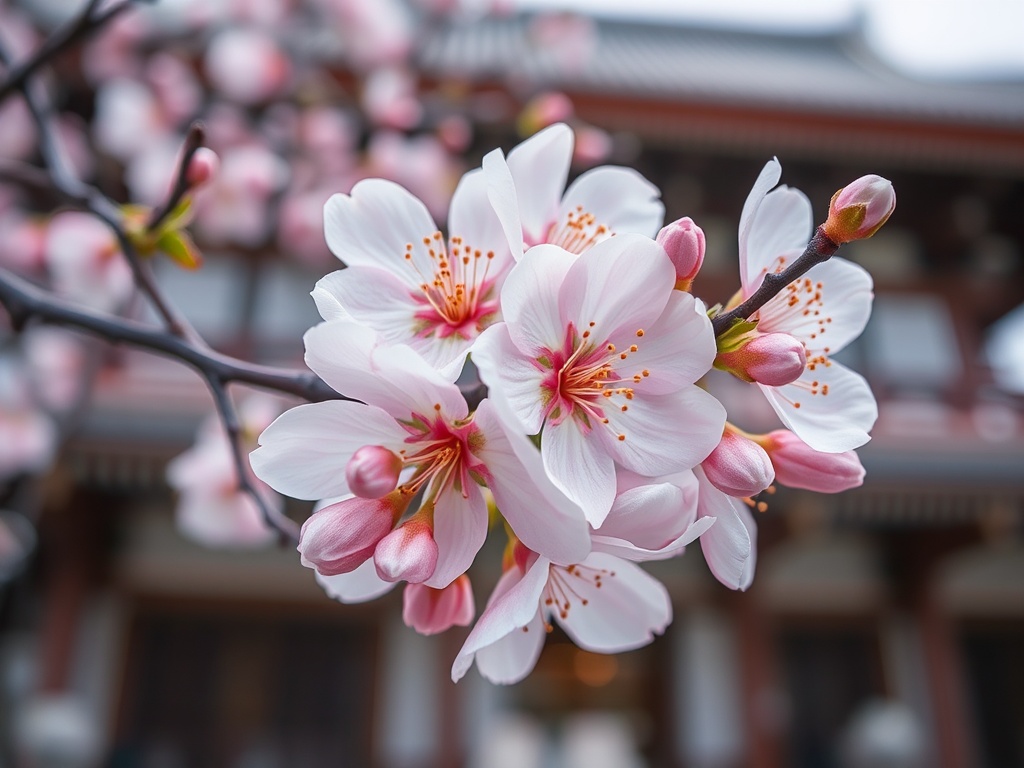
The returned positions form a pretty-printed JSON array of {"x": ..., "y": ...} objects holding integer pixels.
[
  {"x": 797, "y": 465},
  {"x": 738, "y": 466},
  {"x": 408, "y": 553},
  {"x": 341, "y": 537},
  {"x": 772, "y": 359},
  {"x": 202, "y": 167},
  {"x": 430, "y": 611},
  {"x": 684, "y": 243},
  {"x": 373, "y": 472},
  {"x": 859, "y": 209}
]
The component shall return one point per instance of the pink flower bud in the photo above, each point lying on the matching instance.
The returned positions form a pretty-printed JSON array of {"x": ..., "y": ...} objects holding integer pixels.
[
  {"x": 373, "y": 472},
  {"x": 430, "y": 611},
  {"x": 859, "y": 209},
  {"x": 202, "y": 167},
  {"x": 772, "y": 359},
  {"x": 738, "y": 466},
  {"x": 683, "y": 241},
  {"x": 797, "y": 465},
  {"x": 341, "y": 537},
  {"x": 408, "y": 553}
]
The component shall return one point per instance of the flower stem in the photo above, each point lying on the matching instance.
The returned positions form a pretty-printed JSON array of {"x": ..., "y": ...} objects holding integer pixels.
[{"x": 819, "y": 250}]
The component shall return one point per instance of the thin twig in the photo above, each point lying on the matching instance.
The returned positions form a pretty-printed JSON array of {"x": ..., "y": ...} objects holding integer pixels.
[
  {"x": 84, "y": 24},
  {"x": 285, "y": 526},
  {"x": 820, "y": 249},
  {"x": 25, "y": 301},
  {"x": 193, "y": 141}
]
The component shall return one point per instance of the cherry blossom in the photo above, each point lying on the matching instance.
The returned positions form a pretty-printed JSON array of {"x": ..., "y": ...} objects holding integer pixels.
[
  {"x": 413, "y": 411},
  {"x": 528, "y": 193},
  {"x": 829, "y": 407},
  {"x": 605, "y": 604},
  {"x": 598, "y": 355},
  {"x": 86, "y": 263},
  {"x": 212, "y": 510},
  {"x": 404, "y": 280}
]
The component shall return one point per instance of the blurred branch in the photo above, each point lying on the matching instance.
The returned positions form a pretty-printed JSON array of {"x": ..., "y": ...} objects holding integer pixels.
[
  {"x": 76, "y": 29},
  {"x": 820, "y": 249},
  {"x": 285, "y": 526},
  {"x": 193, "y": 141},
  {"x": 25, "y": 301}
]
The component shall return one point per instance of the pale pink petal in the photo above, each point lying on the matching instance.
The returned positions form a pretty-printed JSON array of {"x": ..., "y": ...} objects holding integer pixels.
[
  {"x": 838, "y": 418},
  {"x": 303, "y": 453},
  {"x": 353, "y": 359},
  {"x": 782, "y": 226},
  {"x": 359, "y": 586},
  {"x": 224, "y": 520},
  {"x": 650, "y": 516},
  {"x": 540, "y": 167},
  {"x": 327, "y": 298},
  {"x": 512, "y": 657},
  {"x": 580, "y": 468},
  {"x": 677, "y": 350},
  {"x": 513, "y": 605},
  {"x": 378, "y": 299},
  {"x": 664, "y": 433},
  {"x": 501, "y": 193},
  {"x": 629, "y": 551},
  {"x": 730, "y": 544},
  {"x": 846, "y": 297},
  {"x": 514, "y": 381},
  {"x": 622, "y": 286},
  {"x": 460, "y": 527},
  {"x": 529, "y": 299},
  {"x": 768, "y": 178},
  {"x": 372, "y": 225},
  {"x": 619, "y": 198},
  {"x": 628, "y": 609},
  {"x": 472, "y": 218},
  {"x": 542, "y": 518}
]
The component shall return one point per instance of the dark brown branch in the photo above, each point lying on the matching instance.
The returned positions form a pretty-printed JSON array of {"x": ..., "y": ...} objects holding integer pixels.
[
  {"x": 84, "y": 24},
  {"x": 820, "y": 249},
  {"x": 193, "y": 141},
  {"x": 25, "y": 301},
  {"x": 285, "y": 526}
]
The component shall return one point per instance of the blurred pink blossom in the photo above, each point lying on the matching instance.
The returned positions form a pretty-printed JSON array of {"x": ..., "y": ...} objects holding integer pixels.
[
  {"x": 56, "y": 363},
  {"x": 28, "y": 437},
  {"x": 128, "y": 118},
  {"x": 233, "y": 207},
  {"x": 22, "y": 246},
  {"x": 389, "y": 98},
  {"x": 85, "y": 262},
  {"x": 374, "y": 32},
  {"x": 570, "y": 39},
  {"x": 174, "y": 86},
  {"x": 17, "y": 131},
  {"x": 247, "y": 65},
  {"x": 419, "y": 163}
]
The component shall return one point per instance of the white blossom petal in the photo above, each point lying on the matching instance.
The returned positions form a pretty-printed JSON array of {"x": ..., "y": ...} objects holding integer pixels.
[
  {"x": 664, "y": 433},
  {"x": 303, "y": 453},
  {"x": 730, "y": 545},
  {"x": 513, "y": 605},
  {"x": 513, "y": 381},
  {"x": 372, "y": 225},
  {"x": 628, "y": 609},
  {"x": 837, "y": 418},
  {"x": 619, "y": 198},
  {"x": 357, "y": 586},
  {"x": 677, "y": 350},
  {"x": 540, "y": 167},
  {"x": 538, "y": 513},
  {"x": 326, "y": 297},
  {"x": 782, "y": 226},
  {"x": 580, "y": 469},
  {"x": 501, "y": 194},
  {"x": 768, "y": 178},
  {"x": 460, "y": 527},
  {"x": 529, "y": 299}
]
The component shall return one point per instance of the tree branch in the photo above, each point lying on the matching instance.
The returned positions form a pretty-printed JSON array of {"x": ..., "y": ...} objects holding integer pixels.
[
  {"x": 820, "y": 249},
  {"x": 84, "y": 24}
]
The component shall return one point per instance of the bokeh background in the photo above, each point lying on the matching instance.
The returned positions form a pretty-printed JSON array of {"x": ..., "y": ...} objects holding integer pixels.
[{"x": 885, "y": 626}]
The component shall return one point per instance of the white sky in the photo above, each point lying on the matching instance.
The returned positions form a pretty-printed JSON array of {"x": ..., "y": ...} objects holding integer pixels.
[{"x": 923, "y": 37}]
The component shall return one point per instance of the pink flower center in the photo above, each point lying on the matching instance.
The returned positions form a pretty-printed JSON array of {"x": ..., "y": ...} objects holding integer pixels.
[
  {"x": 458, "y": 296},
  {"x": 583, "y": 380},
  {"x": 441, "y": 455}
]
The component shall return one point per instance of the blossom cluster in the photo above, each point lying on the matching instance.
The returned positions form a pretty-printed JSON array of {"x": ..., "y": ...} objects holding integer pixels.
[{"x": 596, "y": 447}]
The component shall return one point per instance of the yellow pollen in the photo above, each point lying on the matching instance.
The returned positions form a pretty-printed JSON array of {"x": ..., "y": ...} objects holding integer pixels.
[
  {"x": 621, "y": 438},
  {"x": 633, "y": 347},
  {"x": 640, "y": 332}
]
